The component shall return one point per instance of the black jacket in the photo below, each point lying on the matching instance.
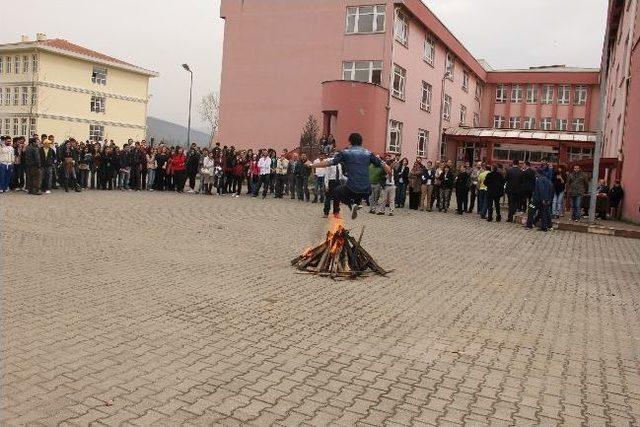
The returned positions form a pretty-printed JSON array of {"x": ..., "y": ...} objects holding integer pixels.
[
  {"x": 527, "y": 181},
  {"x": 463, "y": 181},
  {"x": 47, "y": 160},
  {"x": 513, "y": 179},
  {"x": 428, "y": 174},
  {"x": 495, "y": 184},
  {"x": 447, "y": 179},
  {"x": 32, "y": 156}
]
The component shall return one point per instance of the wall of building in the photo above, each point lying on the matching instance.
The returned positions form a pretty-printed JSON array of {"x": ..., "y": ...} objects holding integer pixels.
[{"x": 275, "y": 58}]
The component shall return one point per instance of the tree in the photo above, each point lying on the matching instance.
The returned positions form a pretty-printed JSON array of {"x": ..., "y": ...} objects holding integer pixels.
[
  {"x": 210, "y": 111},
  {"x": 310, "y": 131}
]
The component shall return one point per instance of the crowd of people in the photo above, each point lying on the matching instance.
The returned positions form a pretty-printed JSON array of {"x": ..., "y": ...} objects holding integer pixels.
[{"x": 41, "y": 164}]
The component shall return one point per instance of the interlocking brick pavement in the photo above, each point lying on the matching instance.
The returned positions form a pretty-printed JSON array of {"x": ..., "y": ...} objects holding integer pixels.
[{"x": 164, "y": 309}]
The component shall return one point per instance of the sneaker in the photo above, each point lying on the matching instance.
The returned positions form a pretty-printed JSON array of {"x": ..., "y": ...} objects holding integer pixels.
[
  {"x": 47, "y": 192},
  {"x": 380, "y": 213},
  {"x": 372, "y": 211},
  {"x": 390, "y": 213},
  {"x": 354, "y": 211},
  {"x": 1, "y": 191}
]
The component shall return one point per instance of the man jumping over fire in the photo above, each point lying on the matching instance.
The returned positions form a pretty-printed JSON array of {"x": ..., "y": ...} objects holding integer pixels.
[{"x": 355, "y": 160}]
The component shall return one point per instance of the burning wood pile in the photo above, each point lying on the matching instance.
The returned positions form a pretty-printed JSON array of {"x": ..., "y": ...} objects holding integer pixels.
[{"x": 339, "y": 256}]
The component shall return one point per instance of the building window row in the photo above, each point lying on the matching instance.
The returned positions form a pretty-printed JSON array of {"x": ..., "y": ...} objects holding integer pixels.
[
  {"x": 18, "y": 96},
  {"x": 546, "y": 123},
  {"x": 362, "y": 71},
  {"x": 547, "y": 94},
  {"x": 425, "y": 100},
  {"x": 365, "y": 19},
  {"x": 96, "y": 132},
  {"x": 18, "y": 64},
  {"x": 446, "y": 109},
  {"x": 399, "y": 82},
  {"x": 401, "y": 28},
  {"x": 395, "y": 136},
  {"x": 18, "y": 126}
]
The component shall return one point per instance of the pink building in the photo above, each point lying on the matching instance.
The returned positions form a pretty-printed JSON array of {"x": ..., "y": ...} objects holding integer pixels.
[
  {"x": 621, "y": 67},
  {"x": 392, "y": 71}
]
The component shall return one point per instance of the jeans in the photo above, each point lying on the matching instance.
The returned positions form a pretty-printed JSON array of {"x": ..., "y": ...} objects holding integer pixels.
[
  {"x": 514, "y": 203},
  {"x": 264, "y": 183},
  {"x": 342, "y": 194},
  {"x": 373, "y": 198},
  {"x": 401, "y": 194},
  {"x": 93, "y": 178},
  {"x": 462, "y": 198},
  {"x": 333, "y": 184},
  {"x": 482, "y": 203},
  {"x": 473, "y": 194},
  {"x": 302, "y": 188},
  {"x": 492, "y": 201},
  {"x": 576, "y": 207},
  {"x": 46, "y": 178},
  {"x": 558, "y": 204},
  {"x": 123, "y": 177},
  {"x": 83, "y": 177},
  {"x": 6, "y": 173},
  {"x": 387, "y": 195},
  {"x": 318, "y": 189},
  {"x": 280, "y": 180},
  {"x": 151, "y": 178}
]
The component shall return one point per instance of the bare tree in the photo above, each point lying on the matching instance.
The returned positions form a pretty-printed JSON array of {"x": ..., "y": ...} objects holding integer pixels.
[{"x": 210, "y": 111}]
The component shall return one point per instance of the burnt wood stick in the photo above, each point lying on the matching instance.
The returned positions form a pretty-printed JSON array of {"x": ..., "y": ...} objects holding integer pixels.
[
  {"x": 323, "y": 259},
  {"x": 312, "y": 253}
]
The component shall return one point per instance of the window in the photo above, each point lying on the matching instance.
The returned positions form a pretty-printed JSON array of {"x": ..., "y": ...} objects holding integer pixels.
[
  {"x": 401, "y": 28},
  {"x": 450, "y": 65},
  {"x": 576, "y": 153},
  {"x": 34, "y": 63},
  {"x": 25, "y": 64},
  {"x": 564, "y": 94},
  {"x": 423, "y": 141},
  {"x": 7, "y": 126},
  {"x": 545, "y": 123},
  {"x": 96, "y": 132},
  {"x": 399, "y": 81},
  {"x": 514, "y": 122},
  {"x": 395, "y": 136},
  {"x": 476, "y": 119},
  {"x": 501, "y": 94},
  {"x": 516, "y": 93},
  {"x": 99, "y": 75},
  {"x": 532, "y": 94},
  {"x": 365, "y": 19},
  {"x": 446, "y": 111},
  {"x": 465, "y": 81},
  {"x": 498, "y": 122},
  {"x": 25, "y": 95},
  {"x": 7, "y": 96},
  {"x": 17, "y": 64},
  {"x": 34, "y": 95},
  {"x": 9, "y": 66},
  {"x": 24, "y": 127},
  {"x": 425, "y": 101},
  {"x": 547, "y": 94},
  {"x": 529, "y": 123},
  {"x": 561, "y": 124},
  {"x": 580, "y": 95},
  {"x": 363, "y": 71},
  {"x": 478, "y": 90},
  {"x": 577, "y": 125},
  {"x": 463, "y": 115},
  {"x": 32, "y": 125},
  {"x": 1, "y": 65},
  {"x": 16, "y": 96},
  {"x": 97, "y": 104},
  {"x": 16, "y": 126},
  {"x": 429, "y": 50}
]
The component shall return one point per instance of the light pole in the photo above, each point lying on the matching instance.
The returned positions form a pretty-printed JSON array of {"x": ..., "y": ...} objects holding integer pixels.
[
  {"x": 444, "y": 78},
  {"x": 186, "y": 67}
]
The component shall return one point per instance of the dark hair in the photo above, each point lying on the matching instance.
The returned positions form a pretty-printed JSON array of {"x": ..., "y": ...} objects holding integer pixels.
[
  {"x": 355, "y": 139},
  {"x": 516, "y": 162},
  {"x": 527, "y": 163}
]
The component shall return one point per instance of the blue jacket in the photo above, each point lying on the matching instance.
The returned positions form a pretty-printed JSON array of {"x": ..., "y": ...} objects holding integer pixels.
[
  {"x": 543, "y": 191},
  {"x": 355, "y": 161},
  {"x": 548, "y": 172}
]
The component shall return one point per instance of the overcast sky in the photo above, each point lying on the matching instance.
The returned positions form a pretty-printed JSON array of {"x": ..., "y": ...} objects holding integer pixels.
[{"x": 162, "y": 34}]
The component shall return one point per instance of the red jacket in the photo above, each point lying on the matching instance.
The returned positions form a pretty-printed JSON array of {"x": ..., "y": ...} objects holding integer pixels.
[{"x": 178, "y": 162}]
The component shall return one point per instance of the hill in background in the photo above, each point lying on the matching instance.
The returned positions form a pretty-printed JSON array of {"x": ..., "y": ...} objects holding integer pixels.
[{"x": 173, "y": 134}]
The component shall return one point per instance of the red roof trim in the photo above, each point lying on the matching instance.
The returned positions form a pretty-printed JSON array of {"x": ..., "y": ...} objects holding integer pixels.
[{"x": 63, "y": 44}]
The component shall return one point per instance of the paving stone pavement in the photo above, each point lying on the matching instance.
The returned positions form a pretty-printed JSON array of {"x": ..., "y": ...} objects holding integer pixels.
[{"x": 164, "y": 309}]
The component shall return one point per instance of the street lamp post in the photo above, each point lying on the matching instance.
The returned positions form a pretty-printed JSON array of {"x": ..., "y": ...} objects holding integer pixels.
[
  {"x": 440, "y": 147},
  {"x": 186, "y": 67}
]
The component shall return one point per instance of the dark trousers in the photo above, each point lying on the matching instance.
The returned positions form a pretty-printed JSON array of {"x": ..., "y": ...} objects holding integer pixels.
[
  {"x": 401, "y": 195},
  {"x": 342, "y": 194},
  {"x": 263, "y": 182},
  {"x": 462, "y": 199},
  {"x": 134, "y": 177},
  {"x": 179, "y": 178},
  {"x": 33, "y": 179},
  {"x": 302, "y": 188},
  {"x": 83, "y": 177},
  {"x": 192, "y": 178},
  {"x": 292, "y": 185},
  {"x": 436, "y": 197},
  {"x": 272, "y": 183},
  {"x": 280, "y": 181},
  {"x": 514, "y": 204},
  {"x": 473, "y": 192},
  {"x": 47, "y": 172},
  {"x": 160, "y": 179},
  {"x": 493, "y": 201},
  {"x": 143, "y": 179},
  {"x": 18, "y": 176},
  {"x": 330, "y": 196},
  {"x": 237, "y": 184}
]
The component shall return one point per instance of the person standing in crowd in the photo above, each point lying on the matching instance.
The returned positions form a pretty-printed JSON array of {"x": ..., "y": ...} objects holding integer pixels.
[
  {"x": 264, "y": 164},
  {"x": 375, "y": 181},
  {"x": 178, "y": 164},
  {"x": 253, "y": 174},
  {"x": 238, "y": 174},
  {"x": 494, "y": 181},
  {"x": 546, "y": 170},
  {"x": 427, "y": 179},
  {"x": 192, "y": 163},
  {"x": 208, "y": 166},
  {"x": 402, "y": 180},
  {"x": 415, "y": 185},
  {"x": 577, "y": 186},
  {"x": 161, "y": 161},
  {"x": 513, "y": 178},
  {"x": 318, "y": 182},
  {"x": 559, "y": 183},
  {"x": 282, "y": 166},
  {"x": 7, "y": 154},
  {"x": 293, "y": 164},
  {"x": 388, "y": 189},
  {"x": 47, "y": 156},
  {"x": 95, "y": 166},
  {"x": 541, "y": 201},
  {"x": 527, "y": 184},
  {"x": 482, "y": 191},
  {"x": 54, "y": 169},
  {"x": 462, "y": 184},
  {"x": 446, "y": 187},
  {"x": 135, "y": 162},
  {"x": 303, "y": 172},
  {"x": 602, "y": 200},
  {"x": 152, "y": 166},
  {"x": 332, "y": 180},
  {"x": 84, "y": 160},
  {"x": 18, "y": 181},
  {"x": 473, "y": 190},
  {"x": 32, "y": 164},
  {"x": 356, "y": 161},
  {"x": 124, "y": 161},
  {"x": 272, "y": 176},
  {"x": 437, "y": 185},
  {"x": 616, "y": 194}
]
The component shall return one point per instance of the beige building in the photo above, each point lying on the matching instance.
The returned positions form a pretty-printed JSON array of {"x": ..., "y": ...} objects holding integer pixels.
[{"x": 56, "y": 87}]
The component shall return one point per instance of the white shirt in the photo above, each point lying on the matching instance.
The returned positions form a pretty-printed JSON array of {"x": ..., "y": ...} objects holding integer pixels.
[
  {"x": 333, "y": 173},
  {"x": 320, "y": 172},
  {"x": 208, "y": 164},
  {"x": 6, "y": 154},
  {"x": 265, "y": 165}
]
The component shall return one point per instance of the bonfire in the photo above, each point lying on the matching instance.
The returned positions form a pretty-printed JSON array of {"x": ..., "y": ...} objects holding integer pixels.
[{"x": 338, "y": 256}]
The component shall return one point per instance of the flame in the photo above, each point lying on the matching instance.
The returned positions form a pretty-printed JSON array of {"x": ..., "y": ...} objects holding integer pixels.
[
  {"x": 307, "y": 252},
  {"x": 334, "y": 235}
]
